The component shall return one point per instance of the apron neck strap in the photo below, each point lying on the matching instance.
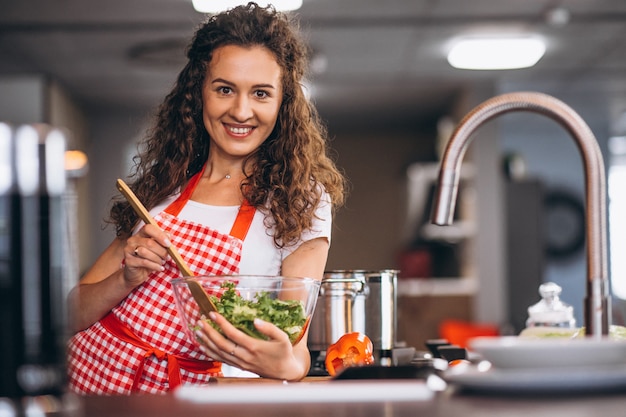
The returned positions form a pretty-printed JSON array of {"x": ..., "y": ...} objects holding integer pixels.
[
  {"x": 176, "y": 206},
  {"x": 243, "y": 221}
]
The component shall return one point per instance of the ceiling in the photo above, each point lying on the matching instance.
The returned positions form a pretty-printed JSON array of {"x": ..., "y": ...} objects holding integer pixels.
[{"x": 375, "y": 60}]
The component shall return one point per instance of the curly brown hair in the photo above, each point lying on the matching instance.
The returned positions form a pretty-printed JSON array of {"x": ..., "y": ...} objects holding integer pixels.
[{"x": 293, "y": 166}]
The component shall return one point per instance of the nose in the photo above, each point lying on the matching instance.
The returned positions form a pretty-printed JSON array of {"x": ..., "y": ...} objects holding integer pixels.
[{"x": 241, "y": 109}]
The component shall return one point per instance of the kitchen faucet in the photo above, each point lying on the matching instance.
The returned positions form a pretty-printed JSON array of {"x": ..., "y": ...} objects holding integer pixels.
[{"x": 597, "y": 300}]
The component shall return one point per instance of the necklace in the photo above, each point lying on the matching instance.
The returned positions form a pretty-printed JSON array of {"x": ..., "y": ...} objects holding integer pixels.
[{"x": 227, "y": 176}]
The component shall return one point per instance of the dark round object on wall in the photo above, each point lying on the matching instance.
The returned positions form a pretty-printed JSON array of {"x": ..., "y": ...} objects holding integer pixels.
[{"x": 564, "y": 224}]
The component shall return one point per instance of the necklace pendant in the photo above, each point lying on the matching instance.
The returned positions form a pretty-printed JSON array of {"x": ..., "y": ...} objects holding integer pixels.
[{"x": 227, "y": 176}]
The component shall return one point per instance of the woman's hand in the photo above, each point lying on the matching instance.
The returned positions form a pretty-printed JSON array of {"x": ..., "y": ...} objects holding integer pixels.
[
  {"x": 106, "y": 284},
  {"x": 273, "y": 358},
  {"x": 276, "y": 357},
  {"x": 145, "y": 252}
]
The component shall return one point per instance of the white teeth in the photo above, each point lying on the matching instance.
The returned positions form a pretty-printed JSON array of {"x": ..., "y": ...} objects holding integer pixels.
[{"x": 239, "y": 130}]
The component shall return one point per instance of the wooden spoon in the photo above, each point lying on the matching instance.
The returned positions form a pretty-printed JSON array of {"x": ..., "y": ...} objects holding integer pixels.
[{"x": 198, "y": 293}]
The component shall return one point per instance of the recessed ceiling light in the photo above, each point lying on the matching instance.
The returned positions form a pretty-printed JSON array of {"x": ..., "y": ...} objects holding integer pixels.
[
  {"x": 216, "y": 6},
  {"x": 490, "y": 53},
  {"x": 558, "y": 16}
]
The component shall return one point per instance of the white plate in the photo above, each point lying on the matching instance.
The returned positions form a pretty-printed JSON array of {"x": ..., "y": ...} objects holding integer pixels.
[
  {"x": 512, "y": 352},
  {"x": 319, "y": 392},
  {"x": 527, "y": 381}
]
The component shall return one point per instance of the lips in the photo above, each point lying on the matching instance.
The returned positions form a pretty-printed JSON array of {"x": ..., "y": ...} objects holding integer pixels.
[{"x": 240, "y": 131}]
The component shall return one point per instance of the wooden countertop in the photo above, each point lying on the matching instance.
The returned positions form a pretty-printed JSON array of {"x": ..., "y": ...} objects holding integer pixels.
[
  {"x": 231, "y": 381},
  {"x": 443, "y": 404}
]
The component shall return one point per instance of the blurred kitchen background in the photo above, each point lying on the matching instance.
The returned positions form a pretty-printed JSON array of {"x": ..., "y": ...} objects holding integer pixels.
[{"x": 381, "y": 81}]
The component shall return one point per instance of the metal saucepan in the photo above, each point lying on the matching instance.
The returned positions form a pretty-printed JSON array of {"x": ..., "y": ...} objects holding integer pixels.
[{"x": 356, "y": 301}]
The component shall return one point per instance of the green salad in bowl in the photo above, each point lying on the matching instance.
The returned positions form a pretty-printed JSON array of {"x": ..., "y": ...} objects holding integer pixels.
[
  {"x": 288, "y": 315},
  {"x": 286, "y": 302}
]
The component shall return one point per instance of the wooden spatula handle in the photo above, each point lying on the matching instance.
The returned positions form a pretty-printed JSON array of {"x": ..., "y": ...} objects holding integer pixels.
[{"x": 145, "y": 216}]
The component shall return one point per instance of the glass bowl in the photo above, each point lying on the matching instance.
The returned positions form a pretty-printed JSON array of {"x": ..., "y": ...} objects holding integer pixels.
[{"x": 287, "y": 302}]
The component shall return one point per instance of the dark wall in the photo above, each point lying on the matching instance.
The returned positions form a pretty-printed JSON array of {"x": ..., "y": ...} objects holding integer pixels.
[{"x": 367, "y": 230}]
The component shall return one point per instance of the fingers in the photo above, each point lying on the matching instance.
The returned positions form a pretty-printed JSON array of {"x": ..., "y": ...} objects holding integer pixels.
[
  {"x": 273, "y": 358},
  {"x": 234, "y": 346},
  {"x": 158, "y": 235},
  {"x": 230, "y": 332},
  {"x": 147, "y": 248},
  {"x": 216, "y": 346},
  {"x": 269, "y": 330},
  {"x": 233, "y": 352},
  {"x": 145, "y": 252}
]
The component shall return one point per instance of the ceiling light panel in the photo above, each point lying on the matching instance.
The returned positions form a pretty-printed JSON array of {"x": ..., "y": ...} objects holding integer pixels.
[
  {"x": 493, "y": 53},
  {"x": 217, "y": 6}
]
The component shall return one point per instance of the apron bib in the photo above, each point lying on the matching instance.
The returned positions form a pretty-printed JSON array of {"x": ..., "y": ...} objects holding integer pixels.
[{"x": 141, "y": 345}]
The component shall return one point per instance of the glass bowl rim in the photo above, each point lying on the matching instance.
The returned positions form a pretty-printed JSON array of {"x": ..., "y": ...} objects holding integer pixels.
[{"x": 306, "y": 280}]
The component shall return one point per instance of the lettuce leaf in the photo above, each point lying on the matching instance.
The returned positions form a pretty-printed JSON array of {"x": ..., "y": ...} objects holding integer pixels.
[{"x": 287, "y": 315}]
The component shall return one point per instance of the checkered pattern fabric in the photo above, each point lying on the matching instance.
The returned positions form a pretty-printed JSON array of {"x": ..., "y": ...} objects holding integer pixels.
[{"x": 99, "y": 363}]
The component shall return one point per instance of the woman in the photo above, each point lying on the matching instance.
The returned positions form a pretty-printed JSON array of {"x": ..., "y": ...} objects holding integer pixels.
[{"x": 238, "y": 157}]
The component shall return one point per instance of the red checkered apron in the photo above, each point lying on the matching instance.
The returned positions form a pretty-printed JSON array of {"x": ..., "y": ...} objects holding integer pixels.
[{"x": 141, "y": 345}]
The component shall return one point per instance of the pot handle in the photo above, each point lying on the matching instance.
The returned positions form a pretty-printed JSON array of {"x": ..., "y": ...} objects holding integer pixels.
[{"x": 363, "y": 288}]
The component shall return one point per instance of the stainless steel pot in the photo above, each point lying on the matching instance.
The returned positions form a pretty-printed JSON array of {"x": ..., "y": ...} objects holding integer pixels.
[
  {"x": 381, "y": 310},
  {"x": 356, "y": 301},
  {"x": 340, "y": 308}
]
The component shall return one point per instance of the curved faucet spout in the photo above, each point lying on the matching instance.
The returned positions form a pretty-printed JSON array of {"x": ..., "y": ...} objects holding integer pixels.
[{"x": 597, "y": 300}]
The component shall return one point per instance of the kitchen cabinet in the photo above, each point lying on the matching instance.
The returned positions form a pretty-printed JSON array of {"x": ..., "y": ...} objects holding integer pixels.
[
  {"x": 522, "y": 248},
  {"x": 445, "y": 288},
  {"x": 447, "y": 250},
  {"x": 420, "y": 316}
]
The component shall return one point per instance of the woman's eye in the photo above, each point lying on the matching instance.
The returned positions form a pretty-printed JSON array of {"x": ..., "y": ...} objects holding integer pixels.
[
  {"x": 225, "y": 90},
  {"x": 261, "y": 94}
]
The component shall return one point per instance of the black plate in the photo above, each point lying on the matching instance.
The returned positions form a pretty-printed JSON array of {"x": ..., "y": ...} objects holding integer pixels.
[{"x": 385, "y": 372}]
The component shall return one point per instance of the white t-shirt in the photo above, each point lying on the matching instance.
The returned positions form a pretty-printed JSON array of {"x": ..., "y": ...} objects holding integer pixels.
[{"x": 259, "y": 254}]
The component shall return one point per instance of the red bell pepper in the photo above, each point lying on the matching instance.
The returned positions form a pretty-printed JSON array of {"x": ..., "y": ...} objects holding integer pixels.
[{"x": 352, "y": 349}]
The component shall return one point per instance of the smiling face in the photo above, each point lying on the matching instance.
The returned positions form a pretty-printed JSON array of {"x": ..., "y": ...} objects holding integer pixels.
[{"x": 241, "y": 95}]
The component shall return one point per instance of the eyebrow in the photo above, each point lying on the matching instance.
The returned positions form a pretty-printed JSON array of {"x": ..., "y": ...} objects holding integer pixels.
[{"x": 221, "y": 80}]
